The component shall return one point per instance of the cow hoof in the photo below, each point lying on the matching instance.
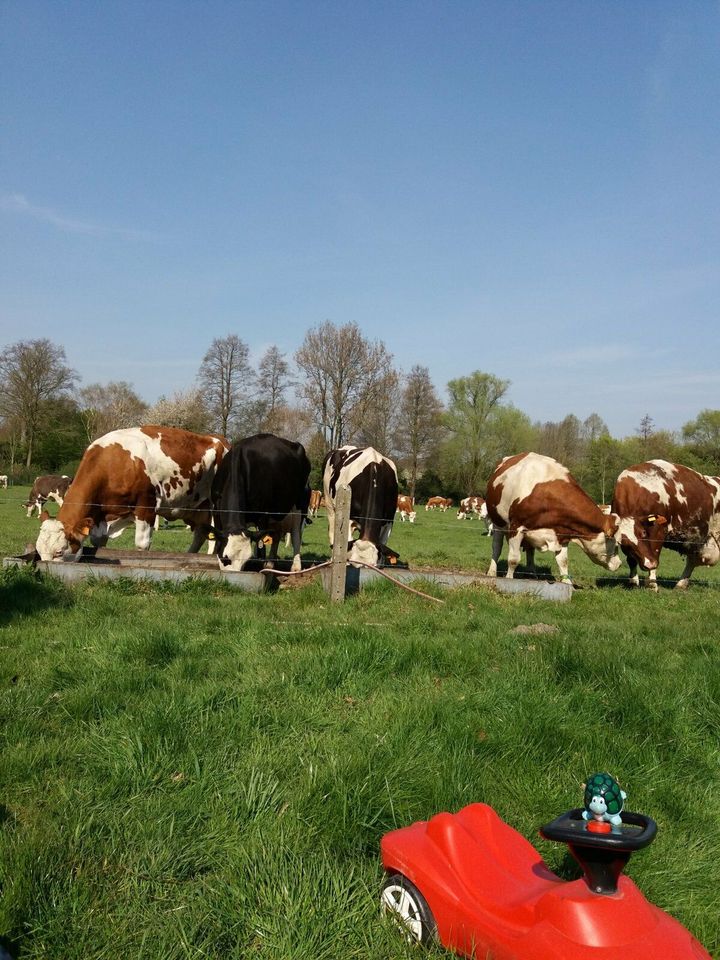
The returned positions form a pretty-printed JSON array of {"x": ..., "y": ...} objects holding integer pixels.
[{"x": 682, "y": 584}]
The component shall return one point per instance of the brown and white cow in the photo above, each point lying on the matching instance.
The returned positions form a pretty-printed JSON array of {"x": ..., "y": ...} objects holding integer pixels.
[
  {"x": 438, "y": 502},
  {"x": 372, "y": 479},
  {"x": 475, "y": 505},
  {"x": 3, "y": 481},
  {"x": 51, "y": 486},
  {"x": 406, "y": 508},
  {"x": 535, "y": 504},
  {"x": 665, "y": 504},
  {"x": 316, "y": 501},
  {"x": 469, "y": 506},
  {"x": 131, "y": 476}
]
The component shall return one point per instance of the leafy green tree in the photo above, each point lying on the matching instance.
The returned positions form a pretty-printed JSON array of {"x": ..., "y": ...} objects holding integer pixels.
[
  {"x": 34, "y": 376},
  {"x": 702, "y": 438},
  {"x": 473, "y": 420}
]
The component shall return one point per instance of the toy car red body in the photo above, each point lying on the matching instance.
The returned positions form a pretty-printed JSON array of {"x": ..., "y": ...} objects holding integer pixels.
[{"x": 484, "y": 891}]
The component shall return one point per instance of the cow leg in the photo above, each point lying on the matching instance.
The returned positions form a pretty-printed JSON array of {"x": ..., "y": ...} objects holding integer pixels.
[
  {"x": 143, "y": 533},
  {"x": 561, "y": 559},
  {"x": 684, "y": 581},
  {"x": 272, "y": 556},
  {"x": 514, "y": 554},
  {"x": 530, "y": 561},
  {"x": 200, "y": 532},
  {"x": 296, "y": 536},
  {"x": 634, "y": 576},
  {"x": 331, "y": 520},
  {"x": 497, "y": 546}
]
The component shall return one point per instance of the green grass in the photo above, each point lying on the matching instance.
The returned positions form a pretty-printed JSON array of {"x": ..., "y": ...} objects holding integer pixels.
[{"x": 195, "y": 772}]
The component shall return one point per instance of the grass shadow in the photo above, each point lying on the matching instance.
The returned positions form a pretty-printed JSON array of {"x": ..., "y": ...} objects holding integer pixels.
[{"x": 25, "y": 592}]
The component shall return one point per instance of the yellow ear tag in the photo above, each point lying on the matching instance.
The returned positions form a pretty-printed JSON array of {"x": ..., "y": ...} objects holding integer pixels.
[
  {"x": 211, "y": 536},
  {"x": 652, "y": 518},
  {"x": 267, "y": 540}
]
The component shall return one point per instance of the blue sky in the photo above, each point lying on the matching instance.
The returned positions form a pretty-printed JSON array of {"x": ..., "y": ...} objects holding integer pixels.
[{"x": 525, "y": 188}]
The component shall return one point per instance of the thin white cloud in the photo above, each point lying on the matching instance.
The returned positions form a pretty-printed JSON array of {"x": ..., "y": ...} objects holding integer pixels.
[
  {"x": 158, "y": 364},
  {"x": 19, "y": 204},
  {"x": 594, "y": 355}
]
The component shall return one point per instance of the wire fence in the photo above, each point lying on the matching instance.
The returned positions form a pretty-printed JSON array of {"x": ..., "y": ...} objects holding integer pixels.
[{"x": 445, "y": 521}]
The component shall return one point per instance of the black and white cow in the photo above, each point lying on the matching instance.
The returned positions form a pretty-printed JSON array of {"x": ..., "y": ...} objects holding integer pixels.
[
  {"x": 260, "y": 490},
  {"x": 373, "y": 483}
]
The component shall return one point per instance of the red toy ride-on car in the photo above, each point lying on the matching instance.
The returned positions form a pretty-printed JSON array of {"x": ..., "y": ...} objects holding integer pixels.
[{"x": 478, "y": 886}]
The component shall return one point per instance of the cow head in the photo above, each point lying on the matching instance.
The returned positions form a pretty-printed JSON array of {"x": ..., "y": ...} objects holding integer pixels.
[
  {"x": 56, "y": 541},
  {"x": 603, "y": 549},
  {"x": 234, "y": 551},
  {"x": 642, "y": 538},
  {"x": 363, "y": 551}
]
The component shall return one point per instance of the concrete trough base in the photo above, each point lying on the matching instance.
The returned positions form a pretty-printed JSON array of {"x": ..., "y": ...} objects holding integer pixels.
[
  {"x": 114, "y": 564},
  {"x": 356, "y": 578}
]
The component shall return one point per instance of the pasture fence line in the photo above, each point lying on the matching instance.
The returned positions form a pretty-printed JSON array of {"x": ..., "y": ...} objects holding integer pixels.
[{"x": 442, "y": 522}]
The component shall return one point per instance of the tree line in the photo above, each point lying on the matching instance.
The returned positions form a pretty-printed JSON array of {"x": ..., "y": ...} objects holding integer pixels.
[{"x": 338, "y": 387}]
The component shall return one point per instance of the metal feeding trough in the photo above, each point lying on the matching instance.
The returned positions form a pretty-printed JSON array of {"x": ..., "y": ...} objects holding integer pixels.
[
  {"x": 107, "y": 564},
  {"x": 357, "y": 578}
]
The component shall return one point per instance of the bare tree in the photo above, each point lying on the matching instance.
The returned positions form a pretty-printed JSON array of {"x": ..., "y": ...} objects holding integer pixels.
[
  {"x": 185, "y": 409},
  {"x": 272, "y": 382},
  {"x": 341, "y": 372},
  {"x": 419, "y": 426},
  {"x": 33, "y": 374},
  {"x": 110, "y": 406},
  {"x": 227, "y": 383},
  {"x": 646, "y": 428},
  {"x": 564, "y": 441},
  {"x": 377, "y": 416}
]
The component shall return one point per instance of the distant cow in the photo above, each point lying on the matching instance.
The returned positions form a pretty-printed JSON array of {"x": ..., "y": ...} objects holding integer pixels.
[
  {"x": 3, "y": 481},
  {"x": 442, "y": 502},
  {"x": 665, "y": 504},
  {"x": 535, "y": 504},
  {"x": 406, "y": 508},
  {"x": 260, "y": 490},
  {"x": 469, "y": 506},
  {"x": 316, "y": 501},
  {"x": 52, "y": 486},
  {"x": 475, "y": 505},
  {"x": 132, "y": 476},
  {"x": 372, "y": 479}
]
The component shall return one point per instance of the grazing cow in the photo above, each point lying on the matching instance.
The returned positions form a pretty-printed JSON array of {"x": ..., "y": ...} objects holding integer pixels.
[
  {"x": 661, "y": 503},
  {"x": 3, "y": 481},
  {"x": 52, "y": 486},
  {"x": 132, "y": 476},
  {"x": 535, "y": 503},
  {"x": 442, "y": 502},
  {"x": 260, "y": 490},
  {"x": 315, "y": 502},
  {"x": 475, "y": 505},
  {"x": 406, "y": 507},
  {"x": 372, "y": 479},
  {"x": 469, "y": 506}
]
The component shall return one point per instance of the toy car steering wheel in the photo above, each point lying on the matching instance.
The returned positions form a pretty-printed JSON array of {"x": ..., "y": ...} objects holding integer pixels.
[{"x": 602, "y": 856}]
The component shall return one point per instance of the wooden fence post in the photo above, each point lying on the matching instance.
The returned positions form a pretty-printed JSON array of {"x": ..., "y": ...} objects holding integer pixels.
[{"x": 341, "y": 535}]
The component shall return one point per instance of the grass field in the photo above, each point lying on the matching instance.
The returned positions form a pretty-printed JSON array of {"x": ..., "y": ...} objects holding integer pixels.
[{"x": 194, "y": 772}]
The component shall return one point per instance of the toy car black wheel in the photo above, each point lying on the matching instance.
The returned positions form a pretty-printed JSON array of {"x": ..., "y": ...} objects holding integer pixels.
[{"x": 409, "y": 908}]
